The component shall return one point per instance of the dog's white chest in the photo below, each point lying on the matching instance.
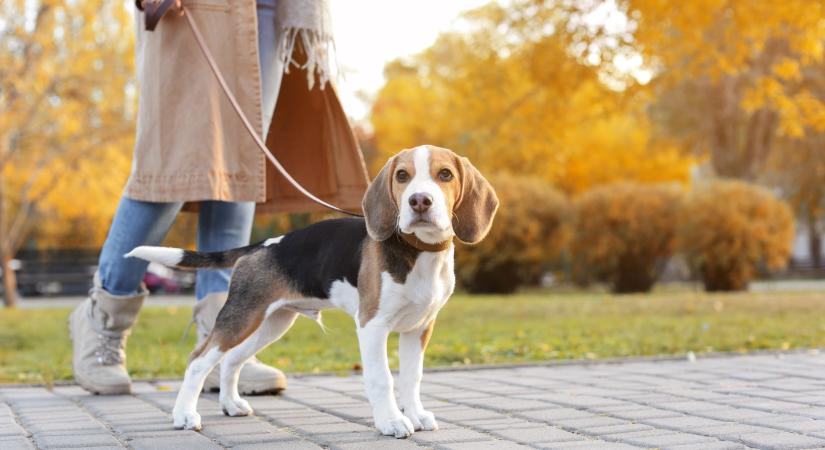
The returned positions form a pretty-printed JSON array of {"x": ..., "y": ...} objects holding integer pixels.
[
  {"x": 428, "y": 286},
  {"x": 431, "y": 279}
]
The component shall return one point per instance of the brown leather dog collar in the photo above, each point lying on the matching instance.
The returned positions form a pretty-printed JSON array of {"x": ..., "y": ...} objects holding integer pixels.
[{"x": 418, "y": 244}]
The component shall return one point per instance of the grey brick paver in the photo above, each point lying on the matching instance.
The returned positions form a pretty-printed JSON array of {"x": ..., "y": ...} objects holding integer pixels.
[
  {"x": 587, "y": 445},
  {"x": 757, "y": 401},
  {"x": 781, "y": 440},
  {"x": 615, "y": 429},
  {"x": 450, "y": 435},
  {"x": 76, "y": 440},
  {"x": 655, "y": 439},
  {"x": 379, "y": 445},
  {"x": 590, "y": 422},
  {"x": 645, "y": 413},
  {"x": 15, "y": 442},
  {"x": 181, "y": 441},
  {"x": 285, "y": 445},
  {"x": 538, "y": 434},
  {"x": 495, "y": 445},
  {"x": 732, "y": 430},
  {"x": 709, "y": 446},
  {"x": 683, "y": 422}
]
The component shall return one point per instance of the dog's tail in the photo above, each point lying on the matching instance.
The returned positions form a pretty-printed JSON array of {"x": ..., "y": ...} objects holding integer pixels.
[{"x": 187, "y": 259}]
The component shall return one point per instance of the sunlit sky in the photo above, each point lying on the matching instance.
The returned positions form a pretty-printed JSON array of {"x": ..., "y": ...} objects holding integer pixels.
[{"x": 370, "y": 33}]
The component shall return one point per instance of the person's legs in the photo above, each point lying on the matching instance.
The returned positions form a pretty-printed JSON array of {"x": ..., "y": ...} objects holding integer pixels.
[
  {"x": 136, "y": 223},
  {"x": 221, "y": 226},
  {"x": 100, "y": 325},
  {"x": 272, "y": 68},
  {"x": 224, "y": 225}
]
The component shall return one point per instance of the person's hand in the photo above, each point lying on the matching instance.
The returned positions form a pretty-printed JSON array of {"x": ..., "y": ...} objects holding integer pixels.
[{"x": 178, "y": 4}]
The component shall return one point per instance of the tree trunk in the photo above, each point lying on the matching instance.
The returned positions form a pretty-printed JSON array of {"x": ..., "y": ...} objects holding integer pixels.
[
  {"x": 635, "y": 274},
  {"x": 9, "y": 282},
  {"x": 814, "y": 241}
]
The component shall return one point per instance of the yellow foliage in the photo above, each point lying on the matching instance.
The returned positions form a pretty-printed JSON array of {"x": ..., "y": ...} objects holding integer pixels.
[
  {"x": 728, "y": 230},
  {"x": 618, "y": 149},
  {"x": 765, "y": 44},
  {"x": 66, "y": 119},
  {"x": 624, "y": 233},
  {"x": 519, "y": 103}
]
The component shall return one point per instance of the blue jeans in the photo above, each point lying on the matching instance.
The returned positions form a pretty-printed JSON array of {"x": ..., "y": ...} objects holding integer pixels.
[{"x": 221, "y": 225}]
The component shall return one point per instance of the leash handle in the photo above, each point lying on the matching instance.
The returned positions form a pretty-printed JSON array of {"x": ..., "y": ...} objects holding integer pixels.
[
  {"x": 237, "y": 107},
  {"x": 154, "y": 11}
]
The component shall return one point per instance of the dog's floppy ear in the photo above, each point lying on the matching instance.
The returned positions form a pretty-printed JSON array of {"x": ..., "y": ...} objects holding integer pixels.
[
  {"x": 380, "y": 210},
  {"x": 477, "y": 205}
]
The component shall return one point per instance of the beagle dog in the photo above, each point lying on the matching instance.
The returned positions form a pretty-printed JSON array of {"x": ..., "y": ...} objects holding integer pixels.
[{"x": 392, "y": 271}]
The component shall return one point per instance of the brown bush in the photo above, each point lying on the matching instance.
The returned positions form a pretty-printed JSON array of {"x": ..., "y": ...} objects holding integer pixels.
[
  {"x": 624, "y": 233},
  {"x": 729, "y": 229},
  {"x": 526, "y": 238}
]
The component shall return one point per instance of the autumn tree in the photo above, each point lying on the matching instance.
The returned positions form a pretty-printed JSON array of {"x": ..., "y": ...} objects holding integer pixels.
[
  {"x": 515, "y": 93},
  {"x": 731, "y": 77},
  {"x": 742, "y": 83},
  {"x": 798, "y": 169},
  {"x": 66, "y": 108}
]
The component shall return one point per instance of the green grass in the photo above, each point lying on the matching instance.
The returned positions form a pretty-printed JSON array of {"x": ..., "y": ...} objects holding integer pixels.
[{"x": 34, "y": 345}]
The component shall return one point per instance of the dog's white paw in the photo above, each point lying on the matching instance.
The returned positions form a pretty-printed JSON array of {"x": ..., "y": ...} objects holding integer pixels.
[
  {"x": 186, "y": 420},
  {"x": 422, "y": 420},
  {"x": 235, "y": 407},
  {"x": 397, "y": 425}
]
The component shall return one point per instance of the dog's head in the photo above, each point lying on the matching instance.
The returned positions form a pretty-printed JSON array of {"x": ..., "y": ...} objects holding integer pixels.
[{"x": 430, "y": 192}]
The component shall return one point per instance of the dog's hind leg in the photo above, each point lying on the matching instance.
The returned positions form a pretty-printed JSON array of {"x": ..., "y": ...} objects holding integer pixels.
[
  {"x": 185, "y": 414},
  {"x": 273, "y": 327},
  {"x": 240, "y": 317}
]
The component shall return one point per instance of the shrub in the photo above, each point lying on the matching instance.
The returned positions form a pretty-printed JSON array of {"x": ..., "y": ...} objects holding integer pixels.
[
  {"x": 526, "y": 238},
  {"x": 624, "y": 233},
  {"x": 729, "y": 229}
]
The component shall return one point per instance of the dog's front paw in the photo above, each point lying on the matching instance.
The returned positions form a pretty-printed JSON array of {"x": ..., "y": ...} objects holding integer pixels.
[
  {"x": 235, "y": 407},
  {"x": 186, "y": 420},
  {"x": 398, "y": 426},
  {"x": 422, "y": 420}
]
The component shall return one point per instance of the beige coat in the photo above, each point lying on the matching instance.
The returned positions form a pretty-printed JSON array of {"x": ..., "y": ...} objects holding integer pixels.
[{"x": 191, "y": 145}]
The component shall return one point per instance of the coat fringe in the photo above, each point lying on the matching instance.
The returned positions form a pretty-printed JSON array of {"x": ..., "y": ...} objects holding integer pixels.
[{"x": 318, "y": 48}]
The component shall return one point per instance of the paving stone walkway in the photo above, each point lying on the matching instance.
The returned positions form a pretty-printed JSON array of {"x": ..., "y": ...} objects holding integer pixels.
[{"x": 765, "y": 401}]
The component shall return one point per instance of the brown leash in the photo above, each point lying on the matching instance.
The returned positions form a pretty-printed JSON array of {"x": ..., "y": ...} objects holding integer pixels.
[{"x": 154, "y": 11}]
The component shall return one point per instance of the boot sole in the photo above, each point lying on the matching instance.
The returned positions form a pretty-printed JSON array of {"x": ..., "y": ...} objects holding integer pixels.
[
  {"x": 250, "y": 388},
  {"x": 271, "y": 391},
  {"x": 114, "y": 390}
]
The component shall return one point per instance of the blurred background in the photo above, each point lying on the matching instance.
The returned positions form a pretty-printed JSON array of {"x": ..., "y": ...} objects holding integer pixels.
[
  {"x": 631, "y": 141},
  {"x": 671, "y": 152}
]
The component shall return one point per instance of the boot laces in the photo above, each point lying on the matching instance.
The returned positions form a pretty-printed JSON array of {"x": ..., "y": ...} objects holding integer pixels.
[{"x": 109, "y": 351}]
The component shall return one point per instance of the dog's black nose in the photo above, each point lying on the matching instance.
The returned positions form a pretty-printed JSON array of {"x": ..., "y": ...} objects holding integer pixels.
[{"x": 421, "y": 202}]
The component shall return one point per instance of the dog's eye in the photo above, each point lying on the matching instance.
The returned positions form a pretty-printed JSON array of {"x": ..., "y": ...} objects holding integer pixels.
[
  {"x": 445, "y": 175},
  {"x": 402, "y": 176}
]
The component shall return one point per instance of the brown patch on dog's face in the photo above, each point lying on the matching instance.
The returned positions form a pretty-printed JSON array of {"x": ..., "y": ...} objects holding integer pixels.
[
  {"x": 381, "y": 203},
  {"x": 427, "y": 334},
  {"x": 445, "y": 172},
  {"x": 403, "y": 173},
  {"x": 369, "y": 282}
]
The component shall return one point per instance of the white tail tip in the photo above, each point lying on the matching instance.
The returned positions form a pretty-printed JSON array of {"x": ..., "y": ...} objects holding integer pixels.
[{"x": 164, "y": 255}]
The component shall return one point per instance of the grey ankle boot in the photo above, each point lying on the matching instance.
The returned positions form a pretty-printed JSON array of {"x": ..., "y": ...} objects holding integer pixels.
[
  {"x": 256, "y": 377},
  {"x": 99, "y": 328}
]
